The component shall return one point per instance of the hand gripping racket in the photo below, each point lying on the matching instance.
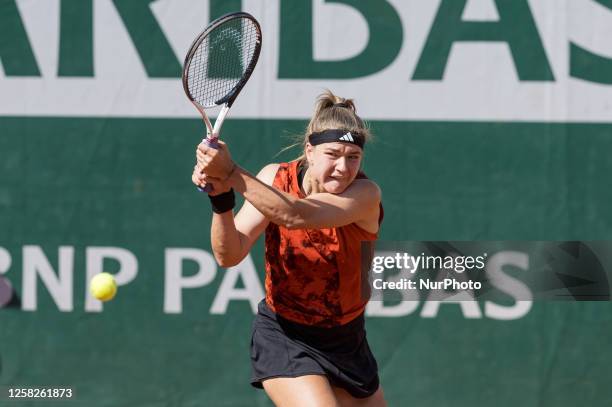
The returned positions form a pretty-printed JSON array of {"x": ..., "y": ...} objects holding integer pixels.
[{"x": 218, "y": 65}]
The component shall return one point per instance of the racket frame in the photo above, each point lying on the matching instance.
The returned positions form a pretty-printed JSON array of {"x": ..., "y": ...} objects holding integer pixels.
[{"x": 212, "y": 132}]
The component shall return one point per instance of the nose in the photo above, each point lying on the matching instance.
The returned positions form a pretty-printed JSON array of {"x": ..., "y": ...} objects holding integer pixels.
[{"x": 341, "y": 165}]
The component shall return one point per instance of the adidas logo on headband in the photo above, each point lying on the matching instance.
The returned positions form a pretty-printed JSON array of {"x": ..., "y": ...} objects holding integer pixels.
[
  {"x": 347, "y": 137},
  {"x": 336, "y": 135}
]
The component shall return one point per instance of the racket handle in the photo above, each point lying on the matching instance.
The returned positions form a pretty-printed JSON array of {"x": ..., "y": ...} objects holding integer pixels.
[{"x": 212, "y": 143}]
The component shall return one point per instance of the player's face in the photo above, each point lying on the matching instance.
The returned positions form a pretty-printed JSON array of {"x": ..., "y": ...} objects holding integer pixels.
[{"x": 334, "y": 165}]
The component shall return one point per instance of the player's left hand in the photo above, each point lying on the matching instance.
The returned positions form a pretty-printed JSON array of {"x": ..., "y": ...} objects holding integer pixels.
[{"x": 215, "y": 163}]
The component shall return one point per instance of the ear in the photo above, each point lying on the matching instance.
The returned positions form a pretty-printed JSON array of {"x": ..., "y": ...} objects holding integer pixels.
[{"x": 309, "y": 151}]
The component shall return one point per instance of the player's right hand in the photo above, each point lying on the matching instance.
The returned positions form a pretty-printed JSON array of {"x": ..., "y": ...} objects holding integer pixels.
[
  {"x": 200, "y": 180},
  {"x": 196, "y": 177}
]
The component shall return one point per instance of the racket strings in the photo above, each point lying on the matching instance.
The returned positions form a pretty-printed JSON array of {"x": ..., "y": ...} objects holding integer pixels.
[{"x": 221, "y": 60}]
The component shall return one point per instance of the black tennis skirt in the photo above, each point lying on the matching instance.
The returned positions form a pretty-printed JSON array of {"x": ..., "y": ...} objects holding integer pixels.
[{"x": 283, "y": 348}]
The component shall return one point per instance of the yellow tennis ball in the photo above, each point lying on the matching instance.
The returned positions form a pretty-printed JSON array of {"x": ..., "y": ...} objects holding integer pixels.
[{"x": 103, "y": 286}]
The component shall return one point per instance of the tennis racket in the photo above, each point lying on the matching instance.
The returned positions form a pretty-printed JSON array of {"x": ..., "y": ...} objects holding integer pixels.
[{"x": 218, "y": 65}]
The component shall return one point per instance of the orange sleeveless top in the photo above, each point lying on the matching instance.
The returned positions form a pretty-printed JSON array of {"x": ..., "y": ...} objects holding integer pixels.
[{"x": 313, "y": 276}]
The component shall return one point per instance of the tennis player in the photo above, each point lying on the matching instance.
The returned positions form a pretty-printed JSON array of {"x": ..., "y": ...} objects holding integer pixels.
[{"x": 309, "y": 345}]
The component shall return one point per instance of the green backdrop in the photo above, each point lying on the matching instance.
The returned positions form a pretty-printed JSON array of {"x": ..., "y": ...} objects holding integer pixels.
[{"x": 127, "y": 184}]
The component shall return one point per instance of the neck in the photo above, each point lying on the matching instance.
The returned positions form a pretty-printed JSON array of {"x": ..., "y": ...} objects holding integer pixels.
[{"x": 309, "y": 185}]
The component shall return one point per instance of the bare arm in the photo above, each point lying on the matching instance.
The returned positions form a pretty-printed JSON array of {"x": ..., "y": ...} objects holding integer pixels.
[
  {"x": 232, "y": 238},
  {"x": 357, "y": 203}
]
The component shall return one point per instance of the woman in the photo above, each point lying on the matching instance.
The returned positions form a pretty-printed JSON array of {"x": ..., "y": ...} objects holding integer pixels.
[{"x": 309, "y": 346}]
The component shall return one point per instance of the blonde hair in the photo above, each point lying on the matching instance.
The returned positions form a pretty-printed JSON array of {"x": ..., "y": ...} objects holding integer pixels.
[{"x": 332, "y": 112}]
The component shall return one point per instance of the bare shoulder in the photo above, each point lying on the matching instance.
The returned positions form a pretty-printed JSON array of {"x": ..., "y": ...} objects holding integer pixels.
[
  {"x": 268, "y": 172},
  {"x": 364, "y": 187},
  {"x": 369, "y": 194}
]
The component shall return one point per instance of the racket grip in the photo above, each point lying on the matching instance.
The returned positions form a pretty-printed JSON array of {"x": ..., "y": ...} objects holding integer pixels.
[{"x": 212, "y": 143}]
